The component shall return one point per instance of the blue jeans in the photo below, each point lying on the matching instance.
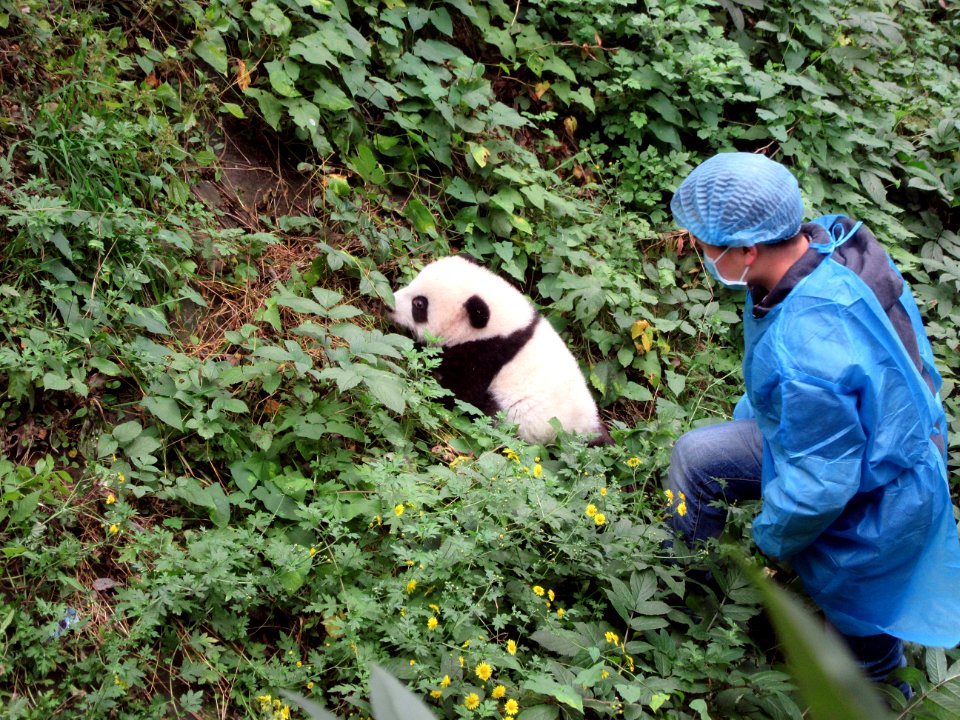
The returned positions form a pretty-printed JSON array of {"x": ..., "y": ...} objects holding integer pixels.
[{"x": 719, "y": 464}]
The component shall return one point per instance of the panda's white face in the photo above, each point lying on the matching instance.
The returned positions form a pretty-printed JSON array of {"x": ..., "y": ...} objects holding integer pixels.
[{"x": 456, "y": 300}]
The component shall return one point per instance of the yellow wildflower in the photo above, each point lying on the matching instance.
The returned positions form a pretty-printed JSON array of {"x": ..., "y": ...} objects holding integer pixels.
[
  {"x": 472, "y": 701},
  {"x": 434, "y": 607},
  {"x": 537, "y": 470},
  {"x": 398, "y": 509},
  {"x": 460, "y": 658},
  {"x": 604, "y": 674},
  {"x": 551, "y": 595},
  {"x": 537, "y": 590},
  {"x": 412, "y": 663},
  {"x": 612, "y": 637},
  {"x": 512, "y": 647},
  {"x": 511, "y": 707},
  {"x": 114, "y": 529},
  {"x": 498, "y": 692},
  {"x": 313, "y": 551},
  {"x": 484, "y": 671},
  {"x": 682, "y": 509},
  {"x": 560, "y": 613},
  {"x": 111, "y": 499},
  {"x": 445, "y": 682},
  {"x": 669, "y": 494},
  {"x": 603, "y": 491},
  {"x": 432, "y": 623},
  {"x": 120, "y": 477},
  {"x": 591, "y": 510},
  {"x": 299, "y": 663},
  {"x": 599, "y": 518},
  {"x": 436, "y": 694},
  {"x": 633, "y": 462},
  {"x": 411, "y": 586},
  {"x": 310, "y": 685}
]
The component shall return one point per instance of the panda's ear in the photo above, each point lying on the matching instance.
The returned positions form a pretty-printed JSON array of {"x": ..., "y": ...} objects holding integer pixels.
[{"x": 478, "y": 311}]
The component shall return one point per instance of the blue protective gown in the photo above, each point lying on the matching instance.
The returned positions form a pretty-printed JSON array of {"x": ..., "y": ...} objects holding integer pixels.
[{"x": 854, "y": 482}]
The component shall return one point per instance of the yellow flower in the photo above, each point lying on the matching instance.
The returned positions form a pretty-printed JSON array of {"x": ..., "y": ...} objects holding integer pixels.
[
  {"x": 434, "y": 607},
  {"x": 299, "y": 663},
  {"x": 111, "y": 499},
  {"x": 310, "y": 685},
  {"x": 445, "y": 682},
  {"x": 313, "y": 551},
  {"x": 472, "y": 701},
  {"x": 537, "y": 470},
  {"x": 599, "y": 518},
  {"x": 114, "y": 529},
  {"x": 669, "y": 494},
  {"x": 403, "y": 612},
  {"x": 633, "y": 462},
  {"x": 120, "y": 477},
  {"x": 512, "y": 647},
  {"x": 551, "y": 595},
  {"x": 537, "y": 590},
  {"x": 591, "y": 510},
  {"x": 511, "y": 707},
  {"x": 683, "y": 498},
  {"x": 412, "y": 663},
  {"x": 461, "y": 660},
  {"x": 560, "y": 613},
  {"x": 484, "y": 671},
  {"x": 604, "y": 674},
  {"x": 682, "y": 509},
  {"x": 603, "y": 491},
  {"x": 436, "y": 694},
  {"x": 498, "y": 692},
  {"x": 411, "y": 586},
  {"x": 398, "y": 509},
  {"x": 432, "y": 623},
  {"x": 612, "y": 637}
]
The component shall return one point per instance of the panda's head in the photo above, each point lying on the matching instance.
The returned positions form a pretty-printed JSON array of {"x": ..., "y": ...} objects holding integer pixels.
[{"x": 457, "y": 300}]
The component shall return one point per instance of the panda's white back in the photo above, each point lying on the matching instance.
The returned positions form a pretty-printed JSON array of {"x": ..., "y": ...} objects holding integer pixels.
[{"x": 543, "y": 382}]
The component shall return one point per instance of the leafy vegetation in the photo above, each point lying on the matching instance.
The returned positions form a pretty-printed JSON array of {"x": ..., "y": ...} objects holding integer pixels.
[{"x": 223, "y": 475}]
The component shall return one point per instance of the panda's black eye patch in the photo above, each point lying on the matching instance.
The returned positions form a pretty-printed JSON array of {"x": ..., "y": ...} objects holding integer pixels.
[{"x": 419, "y": 305}]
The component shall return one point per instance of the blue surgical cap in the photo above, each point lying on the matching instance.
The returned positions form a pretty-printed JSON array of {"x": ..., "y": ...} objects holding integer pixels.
[{"x": 739, "y": 199}]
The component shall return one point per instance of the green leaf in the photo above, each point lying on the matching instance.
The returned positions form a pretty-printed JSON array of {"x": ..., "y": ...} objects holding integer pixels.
[
  {"x": 53, "y": 381},
  {"x": 271, "y": 17},
  {"x": 212, "y": 49},
  {"x": 166, "y": 409},
  {"x": 421, "y": 217},
  {"x": 281, "y": 79},
  {"x": 391, "y": 700},
  {"x": 561, "y": 693},
  {"x": 127, "y": 432},
  {"x": 385, "y": 387},
  {"x": 829, "y": 678},
  {"x": 312, "y": 49},
  {"x": 874, "y": 187},
  {"x": 107, "y": 367},
  {"x": 313, "y": 710}
]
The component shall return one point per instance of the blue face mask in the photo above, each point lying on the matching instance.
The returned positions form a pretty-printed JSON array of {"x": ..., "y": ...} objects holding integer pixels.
[{"x": 711, "y": 265}]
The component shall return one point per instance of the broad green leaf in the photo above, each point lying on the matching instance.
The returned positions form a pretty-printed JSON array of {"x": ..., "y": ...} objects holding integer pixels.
[
  {"x": 391, "y": 700},
  {"x": 166, "y": 409},
  {"x": 107, "y": 367},
  {"x": 53, "y": 381},
  {"x": 386, "y": 387},
  {"x": 280, "y": 78},
  {"x": 829, "y": 678},
  {"x": 127, "y": 432},
  {"x": 561, "y": 693},
  {"x": 421, "y": 217},
  {"x": 212, "y": 49},
  {"x": 271, "y": 17},
  {"x": 316, "y": 712},
  {"x": 312, "y": 49},
  {"x": 874, "y": 187}
]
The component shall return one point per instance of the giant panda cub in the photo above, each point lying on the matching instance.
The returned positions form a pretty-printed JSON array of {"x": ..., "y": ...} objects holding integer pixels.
[{"x": 498, "y": 353}]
